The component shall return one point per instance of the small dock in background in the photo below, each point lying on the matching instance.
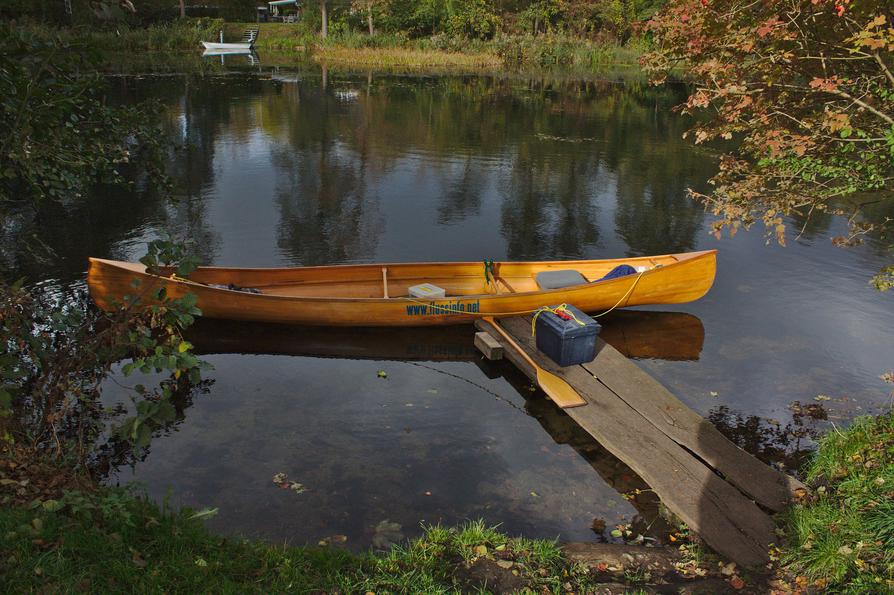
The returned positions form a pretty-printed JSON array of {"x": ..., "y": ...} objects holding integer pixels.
[{"x": 721, "y": 492}]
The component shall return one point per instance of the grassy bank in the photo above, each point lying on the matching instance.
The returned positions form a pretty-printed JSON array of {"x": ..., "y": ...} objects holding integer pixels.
[
  {"x": 388, "y": 50},
  {"x": 405, "y": 58},
  {"x": 843, "y": 537},
  {"x": 557, "y": 52},
  {"x": 112, "y": 541}
]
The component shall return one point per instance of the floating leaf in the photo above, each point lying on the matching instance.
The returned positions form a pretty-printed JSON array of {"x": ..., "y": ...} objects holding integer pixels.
[
  {"x": 387, "y": 533},
  {"x": 283, "y": 481},
  {"x": 332, "y": 539}
]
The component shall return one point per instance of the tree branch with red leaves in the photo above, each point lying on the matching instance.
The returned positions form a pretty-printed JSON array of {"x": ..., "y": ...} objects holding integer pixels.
[{"x": 805, "y": 87}]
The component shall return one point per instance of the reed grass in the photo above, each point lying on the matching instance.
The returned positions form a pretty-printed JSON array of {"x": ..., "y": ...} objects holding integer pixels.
[{"x": 410, "y": 58}]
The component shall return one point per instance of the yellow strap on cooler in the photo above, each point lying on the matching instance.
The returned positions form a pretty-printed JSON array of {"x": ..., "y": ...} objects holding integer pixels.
[{"x": 560, "y": 308}]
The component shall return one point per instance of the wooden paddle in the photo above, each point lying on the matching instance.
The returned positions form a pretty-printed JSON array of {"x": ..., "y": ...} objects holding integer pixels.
[{"x": 555, "y": 388}]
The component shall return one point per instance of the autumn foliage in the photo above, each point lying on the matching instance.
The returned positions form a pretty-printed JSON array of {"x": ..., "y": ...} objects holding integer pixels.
[{"x": 804, "y": 87}]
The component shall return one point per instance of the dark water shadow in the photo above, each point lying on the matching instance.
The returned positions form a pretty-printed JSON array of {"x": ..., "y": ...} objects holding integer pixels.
[
  {"x": 668, "y": 335},
  {"x": 672, "y": 336}
]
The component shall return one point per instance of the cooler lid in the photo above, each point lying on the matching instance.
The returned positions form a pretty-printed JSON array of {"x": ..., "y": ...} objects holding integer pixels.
[{"x": 570, "y": 328}]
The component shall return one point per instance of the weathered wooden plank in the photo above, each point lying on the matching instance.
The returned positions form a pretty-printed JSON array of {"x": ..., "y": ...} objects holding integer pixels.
[
  {"x": 726, "y": 520},
  {"x": 490, "y": 347},
  {"x": 766, "y": 485}
]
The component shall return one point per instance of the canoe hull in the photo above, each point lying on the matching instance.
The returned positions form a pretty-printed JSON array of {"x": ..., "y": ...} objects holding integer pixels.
[{"x": 685, "y": 278}]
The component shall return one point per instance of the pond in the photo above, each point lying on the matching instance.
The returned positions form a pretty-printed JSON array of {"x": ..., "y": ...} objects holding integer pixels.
[{"x": 388, "y": 430}]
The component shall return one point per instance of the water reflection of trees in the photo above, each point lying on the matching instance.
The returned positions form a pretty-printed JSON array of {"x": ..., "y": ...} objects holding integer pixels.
[
  {"x": 554, "y": 156},
  {"x": 559, "y": 150},
  {"x": 326, "y": 212},
  {"x": 788, "y": 446}
]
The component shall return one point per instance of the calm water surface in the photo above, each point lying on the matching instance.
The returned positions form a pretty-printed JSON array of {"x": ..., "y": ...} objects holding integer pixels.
[{"x": 291, "y": 167}]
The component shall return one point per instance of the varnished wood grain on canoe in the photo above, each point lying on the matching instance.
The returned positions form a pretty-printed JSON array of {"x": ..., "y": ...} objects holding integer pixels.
[{"x": 351, "y": 295}]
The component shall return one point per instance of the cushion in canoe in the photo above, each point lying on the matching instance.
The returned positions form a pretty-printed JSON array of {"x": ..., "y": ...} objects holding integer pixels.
[{"x": 559, "y": 279}]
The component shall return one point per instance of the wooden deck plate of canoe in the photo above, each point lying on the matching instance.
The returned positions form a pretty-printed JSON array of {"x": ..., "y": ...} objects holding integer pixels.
[{"x": 378, "y": 294}]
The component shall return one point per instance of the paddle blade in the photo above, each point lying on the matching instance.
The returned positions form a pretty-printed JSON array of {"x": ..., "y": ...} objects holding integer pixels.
[{"x": 558, "y": 390}]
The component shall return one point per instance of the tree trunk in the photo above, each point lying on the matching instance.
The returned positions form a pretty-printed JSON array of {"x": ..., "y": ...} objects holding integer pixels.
[
  {"x": 182, "y": 9},
  {"x": 369, "y": 18},
  {"x": 325, "y": 18}
]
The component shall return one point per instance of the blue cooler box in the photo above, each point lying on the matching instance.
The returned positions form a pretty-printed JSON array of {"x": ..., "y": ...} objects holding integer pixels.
[{"x": 565, "y": 341}]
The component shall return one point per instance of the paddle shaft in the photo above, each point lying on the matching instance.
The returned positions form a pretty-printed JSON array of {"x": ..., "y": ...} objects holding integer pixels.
[
  {"x": 562, "y": 393},
  {"x": 512, "y": 342}
]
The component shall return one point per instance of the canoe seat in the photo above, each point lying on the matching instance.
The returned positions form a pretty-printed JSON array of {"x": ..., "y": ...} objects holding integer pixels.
[{"x": 559, "y": 279}]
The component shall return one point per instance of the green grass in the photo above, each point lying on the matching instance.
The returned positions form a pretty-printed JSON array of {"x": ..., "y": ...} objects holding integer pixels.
[
  {"x": 357, "y": 49},
  {"x": 114, "y": 541},
  {"x": 845, "y": 535}
]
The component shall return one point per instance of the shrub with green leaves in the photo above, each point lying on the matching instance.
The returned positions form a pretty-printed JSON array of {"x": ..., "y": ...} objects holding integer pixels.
[
  {"x": 56, "y": 132},
  {"x": 57, "y": 352},
  {"x": 472, "y": 19}
]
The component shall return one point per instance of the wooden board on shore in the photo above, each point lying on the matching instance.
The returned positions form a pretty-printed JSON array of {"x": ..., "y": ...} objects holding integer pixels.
[{"x": 707, "y": 481}]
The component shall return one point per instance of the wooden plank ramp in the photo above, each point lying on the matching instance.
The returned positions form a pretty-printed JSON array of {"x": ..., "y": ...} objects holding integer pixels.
[{"x": 720, "y": 491}]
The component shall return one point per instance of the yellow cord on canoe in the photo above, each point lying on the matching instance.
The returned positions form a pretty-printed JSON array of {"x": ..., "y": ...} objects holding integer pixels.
[{"x": 451, "y": 310}]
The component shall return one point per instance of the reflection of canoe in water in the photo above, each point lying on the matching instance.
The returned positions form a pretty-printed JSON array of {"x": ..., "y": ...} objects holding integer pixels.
[
  {"x": 377, "y": 295},
  {"x": 452, "y": 343},
  {"x": 654, "y": 335},
  {"x": 661, "y": 335}
]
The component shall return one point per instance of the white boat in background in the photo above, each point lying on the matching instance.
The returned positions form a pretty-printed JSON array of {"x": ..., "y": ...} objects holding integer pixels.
[
  {"x": 247, "y": 43},
  {"x": 230, "y": 47}
]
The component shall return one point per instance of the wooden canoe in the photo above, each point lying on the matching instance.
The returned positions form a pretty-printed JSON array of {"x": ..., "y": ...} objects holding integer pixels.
[{"x": 377, "y": 294}]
